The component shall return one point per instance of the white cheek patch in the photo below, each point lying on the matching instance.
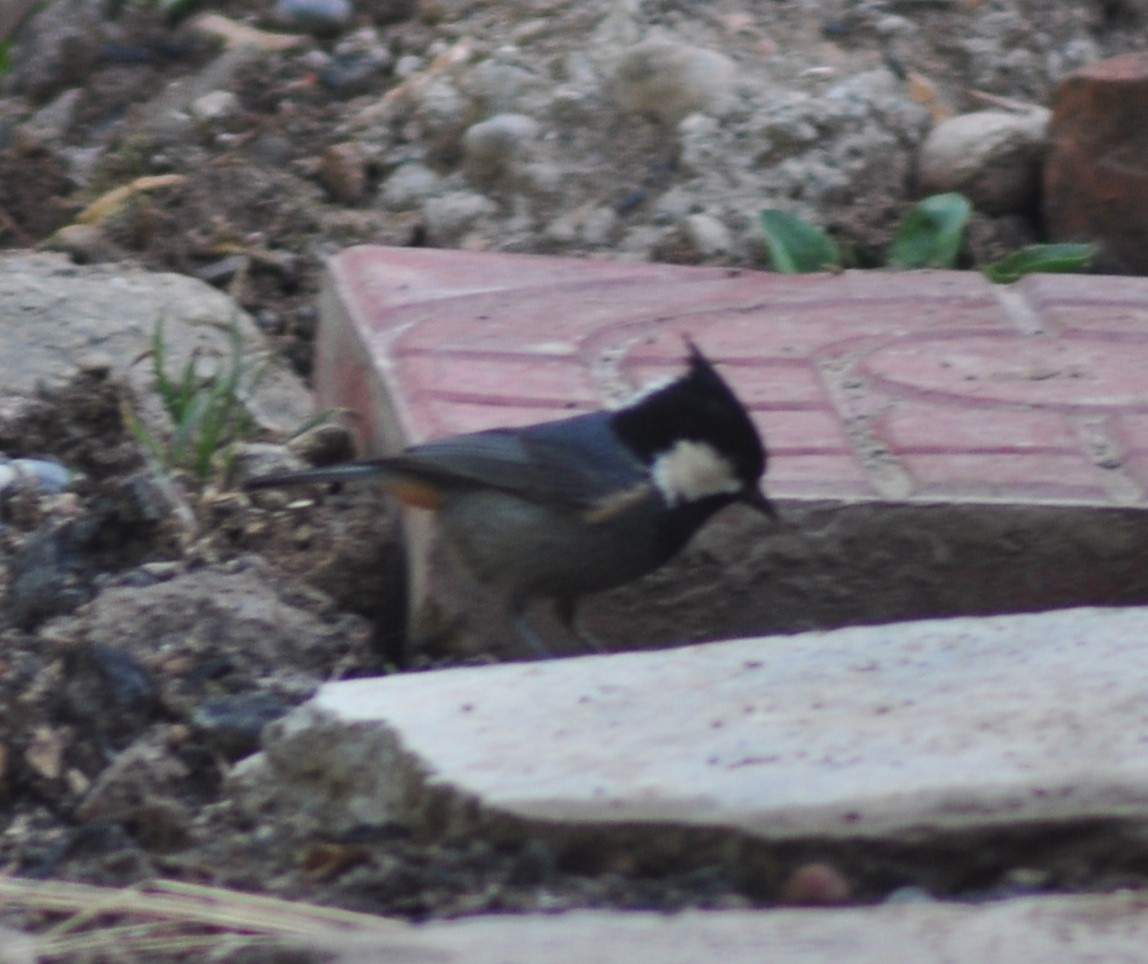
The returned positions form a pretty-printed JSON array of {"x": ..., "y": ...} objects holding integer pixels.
[{"x": 691, "y": 471}]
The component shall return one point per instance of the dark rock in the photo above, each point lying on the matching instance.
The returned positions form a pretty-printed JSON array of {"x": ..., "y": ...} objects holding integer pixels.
[{"x": 235, "y": 723}]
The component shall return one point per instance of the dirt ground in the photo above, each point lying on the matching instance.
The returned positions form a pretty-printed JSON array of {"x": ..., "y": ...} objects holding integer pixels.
[{"x": 130, "y": 676}]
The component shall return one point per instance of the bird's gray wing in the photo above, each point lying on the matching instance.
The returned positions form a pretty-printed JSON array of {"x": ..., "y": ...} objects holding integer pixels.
[{"x": 576, "y": 462}]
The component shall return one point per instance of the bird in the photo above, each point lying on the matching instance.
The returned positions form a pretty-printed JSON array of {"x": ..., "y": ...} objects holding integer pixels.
[{"x": 561, "y": 509}]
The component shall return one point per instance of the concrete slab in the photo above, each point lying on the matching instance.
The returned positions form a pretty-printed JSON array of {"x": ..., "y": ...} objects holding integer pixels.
[
  {"x": 939, "y": 444},
  {"x": 1112, "y": 929},
  {"x": 872, "y": 733}
]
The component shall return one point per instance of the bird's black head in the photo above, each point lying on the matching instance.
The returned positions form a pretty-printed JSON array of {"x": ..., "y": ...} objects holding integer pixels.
[{"x": 698, "y": 439}]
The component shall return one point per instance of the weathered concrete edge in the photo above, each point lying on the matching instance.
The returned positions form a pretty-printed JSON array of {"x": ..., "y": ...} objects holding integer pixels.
[
  {"x": 376, "y": 778},
  {"x": 1068, "y": 929}
]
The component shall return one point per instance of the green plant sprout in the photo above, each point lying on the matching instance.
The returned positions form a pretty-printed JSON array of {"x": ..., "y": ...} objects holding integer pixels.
[
  {"x": 929, "y": 236},
  {"x": 209, "y": 411}
]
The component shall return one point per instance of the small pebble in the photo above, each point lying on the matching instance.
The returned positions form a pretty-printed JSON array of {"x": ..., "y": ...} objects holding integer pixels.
[
  {"x": 235, "y": 723},
  {"x": 215, "y": 105},
  {"x": 83, "y": 243},
  {"x": 315, "y": 16},
  {"x": 449, "y": 217},
  {"x": 408, "y": 64},
  {"x": 350, "y": 74},
  {"x": 41, "y": 474},
  {"x": 128, "y": 682},
  {"x": 708, "y": 235},
  {"x": 598, "y": 228},
  {"x": 221, "y": 272},
  {"x": 390, "y": 11},
  {"x": 343, "y": 173},
  {"x": 670, "y": 80},
  {"x": 95, "y": 364},
  {"x": 816, "y": 884},
  {"x": 631, "y": 200},
  {"x": 408, "y": 186},
  {"x": 910, "y": 895},
  {"x": 493, "y": 145}
]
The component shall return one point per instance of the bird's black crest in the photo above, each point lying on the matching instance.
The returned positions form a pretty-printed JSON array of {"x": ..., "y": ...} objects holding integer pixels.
[{"x": 699, "y": 406}]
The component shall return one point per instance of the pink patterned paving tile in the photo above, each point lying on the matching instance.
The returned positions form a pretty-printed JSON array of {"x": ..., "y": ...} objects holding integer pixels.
[
  {"x": 795, "y": 385},
  {"x": 1084, "y": 303},
  {"x": 921, "y": 427},
  {"x": 432, "y": 342},
  {"x": 653, "y": 319},
  {"x": 436, "y": 417},
  {"x": 1004, "y": 476},
  {"x": 390, "y": 277},
  {"x": 1137, "y": 468},
  {"x": 1095, "y": 289},
  {"x": 396, "y": 276},
  {"x": 1131, "y": 431},
  {"x": 792, "y": 433},
  {"x": 509, "y": 379},
  {"x": 446, "y": 298},
  {"x": 1065, "y": 374},
  {"x": 1130, "y": 435},
  {"x": 817, "y": 476}
]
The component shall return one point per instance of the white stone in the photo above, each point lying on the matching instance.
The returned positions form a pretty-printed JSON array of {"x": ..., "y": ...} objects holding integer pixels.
[
  {"x": 407, "y": 65},
  {"x": 598, "y": 227},
  {"x": 408, "y": 186},
  {"x": 493, "y": 146},
  {"x": 449, "y": 217},
  {"x": 708, "y": 235},
  {"x": 670, "y": 80},
  {"x": 214, "y": 105},
  {"x": 543, "y": 177},
  {"x": 992, "y": 157},
  {"x": 498, "y": 87}
]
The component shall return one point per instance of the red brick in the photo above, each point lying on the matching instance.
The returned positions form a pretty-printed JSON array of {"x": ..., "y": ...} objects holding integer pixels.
[{"x": 1096, "y": 173}]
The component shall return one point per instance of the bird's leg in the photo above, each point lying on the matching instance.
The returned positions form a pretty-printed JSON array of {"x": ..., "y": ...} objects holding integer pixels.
[
  {"x": 526, "y": 631},
  {"x": 567, "y": 610}
]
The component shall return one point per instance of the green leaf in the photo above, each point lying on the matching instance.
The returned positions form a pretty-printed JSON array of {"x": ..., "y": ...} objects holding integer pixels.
[
  {"x": 1040, "y": 257},
  {"x": 159, "y": 362},
  {"x": 796, "y": 246},
  {"x": 930, "y": 236}
]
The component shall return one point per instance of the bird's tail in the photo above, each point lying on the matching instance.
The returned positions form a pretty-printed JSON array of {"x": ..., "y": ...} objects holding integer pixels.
[{"x": 389, "y": 473}]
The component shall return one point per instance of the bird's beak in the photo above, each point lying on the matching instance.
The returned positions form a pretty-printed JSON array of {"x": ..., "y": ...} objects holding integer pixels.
[{"x": 756, "y": 499}]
